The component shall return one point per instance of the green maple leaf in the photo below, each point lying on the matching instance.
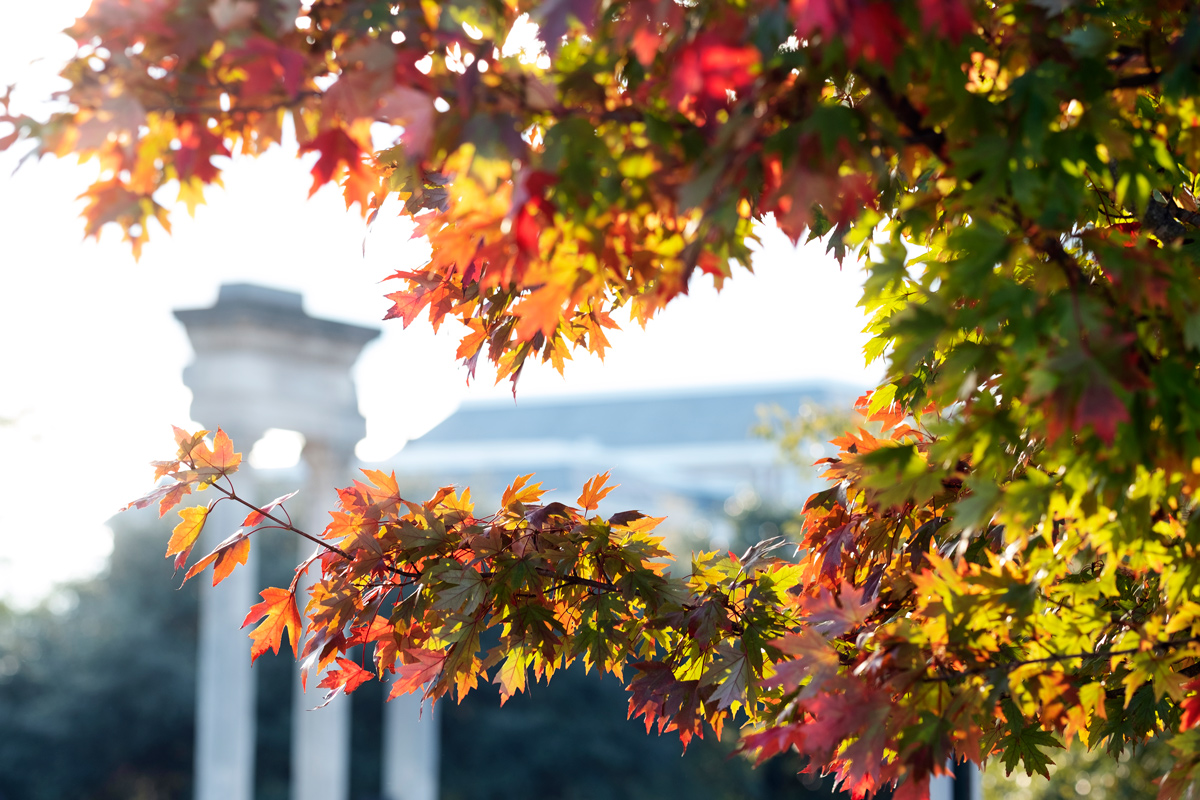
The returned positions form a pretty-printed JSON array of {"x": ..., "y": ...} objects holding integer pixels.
[{"x": 1023, "y": 743}]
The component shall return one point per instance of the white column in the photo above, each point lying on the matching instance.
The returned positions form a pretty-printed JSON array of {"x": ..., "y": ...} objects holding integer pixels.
[
  {"x": 964, "y": 784},
  {"x": 410, "y": 749},
  {"x": 224, "y": 682},
  {"x": 320, "y": 737}
]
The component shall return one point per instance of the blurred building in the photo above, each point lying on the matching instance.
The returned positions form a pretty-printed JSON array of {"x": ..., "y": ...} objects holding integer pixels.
[{"x": 690, "y": 455}]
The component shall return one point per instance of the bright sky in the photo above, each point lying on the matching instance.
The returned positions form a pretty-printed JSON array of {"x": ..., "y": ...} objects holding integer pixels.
[{"x": 91, "y": 358}]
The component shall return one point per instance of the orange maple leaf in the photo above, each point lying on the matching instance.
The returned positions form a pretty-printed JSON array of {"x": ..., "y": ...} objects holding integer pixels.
[
  {"x": 228, "y": 554},
  {"x": 220, "y": 458},
  {"x": 594, "y": 491},
  {"x": 278, "y": 613},
  {"x": 540, "y": 312}
]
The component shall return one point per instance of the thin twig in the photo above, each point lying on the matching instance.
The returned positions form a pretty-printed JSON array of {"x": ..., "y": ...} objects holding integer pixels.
[
  {"x": 1053, "y": 659},
  {"x": 284, "y": 525}
]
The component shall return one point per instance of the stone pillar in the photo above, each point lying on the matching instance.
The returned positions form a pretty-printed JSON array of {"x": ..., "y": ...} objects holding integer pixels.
[
  {"x": 224, "y": 768},
  {"x": 965, "y": 784},
  {"x": 410, "y": 749},
  {"x": 320, "y": 736},
  {"x": 261, "y": 362}
]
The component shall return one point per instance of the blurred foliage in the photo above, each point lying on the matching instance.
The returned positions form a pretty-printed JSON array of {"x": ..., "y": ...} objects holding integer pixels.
[
  {"x": 96, "y": 685},
  {"x": 570, "y": 740},
  {"x": 1079, "y": 772},
  {"x": 802, "y": 435}
]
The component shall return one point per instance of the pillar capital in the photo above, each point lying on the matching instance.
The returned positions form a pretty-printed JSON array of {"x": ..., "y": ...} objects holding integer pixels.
[{"x": 262, "y": 362}]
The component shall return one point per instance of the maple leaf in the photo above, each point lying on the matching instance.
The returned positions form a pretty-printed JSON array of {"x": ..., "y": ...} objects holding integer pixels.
[
  {"x": 1190, "y": 705},
  {"x": 1023, "y": 743},
  {"x": 167, "y": 496},
  {"x": 540, "y": 312},
  {"x": 1100, "y": 408},
  {"x": 268, "y": 65},
  {"x": 836, "y": 546},
  {"x": 835, "y": 615},
  {"x": 414, "y": 109},
  {"x": 662, "y": 700},
  {"x": 949, "y": 18},
  {"x": 227, "y": 555},
  {"x": 220, "y": 459},
  {"x": 522, "y": 492},
  {"x": 344, "y": 680},
  {"x": 732, "y": 688},
  {"x": 773, "y": 741},
  {"x": 594, "y": 491},
  {"x": 710, "y": 68},
  {"x": 341, "y": 154},
  {"x": 184, "y": 537},
  {"x": 278, "y": 614},
  {"x": 382, "y": 633},
  {"x": 256, "y": 516},
  {"x": 426, "y": 666},
  {"x": 197, "y": 146},
  {"x": 814, "y": 660},
  {"x": 512, "y": 674}
]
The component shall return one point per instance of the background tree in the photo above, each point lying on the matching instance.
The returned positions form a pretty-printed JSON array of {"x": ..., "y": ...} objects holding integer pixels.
[{"x": 1003, "y": 561}]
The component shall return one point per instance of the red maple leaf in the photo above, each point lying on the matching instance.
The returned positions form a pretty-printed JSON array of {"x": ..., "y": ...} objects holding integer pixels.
[
  {"x": 708, "y": 69},
  {"x": 645, "y": 45},
  {"x": 269, "y": 65},
  {"x": 949, "y": 18},
  {"x": 1100, "y": 407},
  {"x": 342, "y": 155},
  {"x": 1190, "y": 706},
  {"x": 773, "y": 741},
  {"x": 197, "y": 145},
  {"x": 656, "y": 695},
  {"x": 869, "y": 29},
  {"x": 347, "y": 679}
]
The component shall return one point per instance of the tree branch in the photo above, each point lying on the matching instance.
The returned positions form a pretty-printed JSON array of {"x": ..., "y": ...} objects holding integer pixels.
[
  {"x": 1053, "y": 659},
  {"x": 287, "y": 526}
]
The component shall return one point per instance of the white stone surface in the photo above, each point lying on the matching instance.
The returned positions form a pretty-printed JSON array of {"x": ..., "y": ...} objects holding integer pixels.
[
  {"x": 320, "y": 736},
  {"x": 261, "y": 363},
  {"x": 225, "y": 682},
  {"x": 942, "y": 787},
  {"x": 410, "y": 750}
]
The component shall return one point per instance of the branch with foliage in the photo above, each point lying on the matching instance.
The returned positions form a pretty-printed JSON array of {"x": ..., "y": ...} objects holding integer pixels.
[{"x": 1005, "y": 556}]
